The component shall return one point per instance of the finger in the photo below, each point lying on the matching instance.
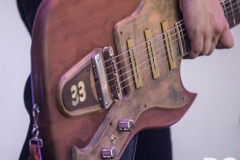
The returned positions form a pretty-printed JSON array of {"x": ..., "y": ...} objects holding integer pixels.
[
  {"x": 206, "y": 46},
  {"x": 226, "y": 39},
  {"x": 196, "y": 46},
  {"x": 214, "y": 44}
]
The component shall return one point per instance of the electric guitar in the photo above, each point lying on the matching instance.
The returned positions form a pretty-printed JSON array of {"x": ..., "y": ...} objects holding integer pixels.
[{"x": 102, "y": 70}]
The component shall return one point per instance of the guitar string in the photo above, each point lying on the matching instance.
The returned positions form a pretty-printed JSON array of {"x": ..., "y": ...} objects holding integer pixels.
[
  {"x": 144, "y": 55},
  {"x": 143, "y": 70},
  {"x": 158, "y": 36},
  {"x": 144, "y": 49},
  {"x": 164, "y": 58},
  {"x": 235, "y": 18},
  {"x": 232, "y": 9},
  {"x": 234, "y": 21},
  {"x": 158, "y": 54},
  {"x": 139, "y": 65},
  {"x": 137, "y": 73},
  {"x": 138, "y": 58},
  {"x": 230, "y": 5},
  {"x": 149, "y": 66},
  {"x": 142, "y": 43},
  {"x": 162, "y": 65}
]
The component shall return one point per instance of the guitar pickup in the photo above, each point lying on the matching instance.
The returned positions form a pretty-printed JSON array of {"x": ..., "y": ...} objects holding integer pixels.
[
  {"x": 152, "y": 54},
  {"x": 134, "y": 63},
  {"x": 167, "y": 40}
]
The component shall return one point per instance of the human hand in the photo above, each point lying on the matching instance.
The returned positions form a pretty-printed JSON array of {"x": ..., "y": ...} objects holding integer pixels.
[{"x": 206, "y": 26}]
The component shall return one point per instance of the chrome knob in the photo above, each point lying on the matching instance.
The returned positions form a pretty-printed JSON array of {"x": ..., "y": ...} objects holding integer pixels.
[
  {"x": 126, "y": 125},
  {"x": 109, "y": 153}
]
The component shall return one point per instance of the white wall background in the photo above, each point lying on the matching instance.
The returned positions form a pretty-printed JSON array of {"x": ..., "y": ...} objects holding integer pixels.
[
  {"x": 210, "y": 128},
  {"x": 14, "y": 69}
]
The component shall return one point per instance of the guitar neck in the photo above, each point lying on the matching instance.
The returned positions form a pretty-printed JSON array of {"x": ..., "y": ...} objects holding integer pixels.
[{"x": 231, "y": 10}]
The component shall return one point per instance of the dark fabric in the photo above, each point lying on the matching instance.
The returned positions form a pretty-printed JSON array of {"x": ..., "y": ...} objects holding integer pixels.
[
  {"x": 28, "y": 104},
  {"x": 154, "y": 145},
  {"x": 28, "y": 9},
  {"x": 147, "y": 145},
  {"x": 130, "y": 150}
]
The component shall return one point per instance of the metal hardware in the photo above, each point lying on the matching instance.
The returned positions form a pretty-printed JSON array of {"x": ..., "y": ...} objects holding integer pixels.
[
  {"x": 113, "y": 139},
  {"x": 35, "y": 139},
  {"x": 126, "y": 125},
  {"x": 101, "y": 81},
  {"x": 109, "y": 153},
  {"x": 152, "y": 54},
  {"x": 113, "y": 73},
  {"x": 134, "y": 64},
  {"x": 166, "y": 35}
]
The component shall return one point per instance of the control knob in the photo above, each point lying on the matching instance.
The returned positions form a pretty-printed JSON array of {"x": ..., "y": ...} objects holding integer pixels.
[
  {"x": 109, "y": 153},
  {"x": 126, "y": 125}
]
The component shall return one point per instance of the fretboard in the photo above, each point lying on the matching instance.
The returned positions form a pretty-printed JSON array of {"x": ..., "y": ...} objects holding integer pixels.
[{"x": 231, "y": 10}]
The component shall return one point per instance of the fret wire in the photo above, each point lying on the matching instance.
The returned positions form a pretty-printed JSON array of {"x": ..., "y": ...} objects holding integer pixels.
[
  {"x": 233, "y": 15},
  {"x": 238, "y": 6},
  {"x": 225, "y": 11},
  {"x": 234, "y": 9},
  {"x": 237, "y": 16},
  {"x": 234, "y": 22},
  {"x": 224, "y": 8}
]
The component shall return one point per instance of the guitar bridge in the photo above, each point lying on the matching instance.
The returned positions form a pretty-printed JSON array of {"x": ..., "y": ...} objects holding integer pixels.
[
  {"x": 112, "y": 73},
  {"x": 100, "y": 81},
  {"x": 84, "y": 88}
]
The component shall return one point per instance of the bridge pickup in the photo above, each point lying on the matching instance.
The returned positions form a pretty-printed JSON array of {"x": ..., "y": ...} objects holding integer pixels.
[
  {"x": 152, "y": 54},
  {"x": 134, "y": 64},
  {"x": 112, "y": 73},
  {"x": 167, "y": 41},
  {"x": 100, "y": 81}
]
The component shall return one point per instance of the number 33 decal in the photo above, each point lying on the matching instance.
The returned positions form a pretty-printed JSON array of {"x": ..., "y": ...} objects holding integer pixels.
[{"x": 78, "y": 93}]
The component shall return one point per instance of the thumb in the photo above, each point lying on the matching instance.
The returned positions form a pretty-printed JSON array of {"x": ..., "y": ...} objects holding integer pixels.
[{"x": 226, "y": 39}]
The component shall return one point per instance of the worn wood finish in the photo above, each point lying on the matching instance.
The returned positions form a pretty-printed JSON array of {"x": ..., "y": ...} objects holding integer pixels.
[{"x": 67, "y": 30}]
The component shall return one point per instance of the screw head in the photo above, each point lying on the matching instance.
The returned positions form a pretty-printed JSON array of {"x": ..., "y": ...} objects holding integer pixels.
[{"x": 98, "y": 57}]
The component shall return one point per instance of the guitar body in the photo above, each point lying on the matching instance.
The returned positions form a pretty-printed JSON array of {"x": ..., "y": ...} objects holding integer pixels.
[{"x": 66, "y": 31}]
